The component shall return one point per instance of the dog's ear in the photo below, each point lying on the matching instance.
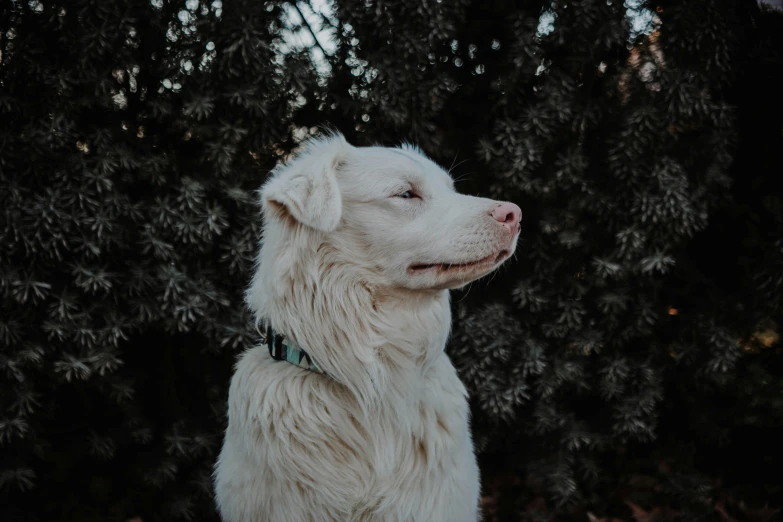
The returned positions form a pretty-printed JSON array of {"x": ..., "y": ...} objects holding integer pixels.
[{"x": 306, "y": 189}]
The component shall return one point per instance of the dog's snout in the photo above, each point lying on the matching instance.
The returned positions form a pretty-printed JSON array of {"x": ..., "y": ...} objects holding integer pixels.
[{"x": 508, "y": 214}]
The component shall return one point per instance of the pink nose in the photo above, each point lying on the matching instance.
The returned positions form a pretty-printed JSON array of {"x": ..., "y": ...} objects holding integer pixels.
[{"x": 508, "y": 214}]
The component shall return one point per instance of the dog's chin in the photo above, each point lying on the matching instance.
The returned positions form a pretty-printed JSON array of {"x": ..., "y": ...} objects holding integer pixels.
[{"x": 443, "y": 276}]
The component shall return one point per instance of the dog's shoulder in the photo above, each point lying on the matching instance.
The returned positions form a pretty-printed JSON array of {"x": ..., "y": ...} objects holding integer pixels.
[
  {"x": 257, "y": 385},
  {"x": 251, "y": 366}
]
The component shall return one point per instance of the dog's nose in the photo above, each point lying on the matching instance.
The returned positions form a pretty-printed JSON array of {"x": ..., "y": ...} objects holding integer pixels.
[{"x": 508, "y": 214}]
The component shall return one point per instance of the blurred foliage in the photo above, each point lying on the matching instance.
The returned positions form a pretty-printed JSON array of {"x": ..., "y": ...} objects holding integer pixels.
[{"x": 626, "y": 366}]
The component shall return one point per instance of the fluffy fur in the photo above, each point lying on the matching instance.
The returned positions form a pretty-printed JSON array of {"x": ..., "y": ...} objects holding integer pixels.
[{"x": 357, "y": 273}]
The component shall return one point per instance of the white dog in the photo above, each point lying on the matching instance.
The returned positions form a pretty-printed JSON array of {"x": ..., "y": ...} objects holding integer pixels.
[{"x": 360, "y": 248}]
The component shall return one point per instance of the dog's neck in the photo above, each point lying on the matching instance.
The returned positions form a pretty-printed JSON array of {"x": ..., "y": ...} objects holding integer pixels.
[{"x": 377, "y": 342}]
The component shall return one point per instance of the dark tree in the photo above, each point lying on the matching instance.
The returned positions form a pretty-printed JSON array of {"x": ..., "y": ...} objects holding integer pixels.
[
  {"x": 132, "y": 135},
  {"x": 626, "y": 362}
]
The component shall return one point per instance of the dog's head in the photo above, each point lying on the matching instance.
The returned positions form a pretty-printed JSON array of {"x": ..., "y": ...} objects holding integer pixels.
[{"x": 391, "y": 213}]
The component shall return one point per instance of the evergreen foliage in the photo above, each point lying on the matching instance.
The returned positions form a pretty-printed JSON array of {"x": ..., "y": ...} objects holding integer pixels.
[{"x": 627, "y": 359}]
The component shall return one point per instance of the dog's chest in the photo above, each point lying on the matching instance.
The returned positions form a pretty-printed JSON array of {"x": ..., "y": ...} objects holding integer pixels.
[
  {"x": 441, "y": 423},
  {"x": 423, "y": 451},
  {"x": 412, "y": 459}
]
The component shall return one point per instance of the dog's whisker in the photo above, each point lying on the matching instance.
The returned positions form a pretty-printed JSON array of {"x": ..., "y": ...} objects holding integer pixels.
[
  {"x": 463, "y": 177},
  {"x": 457, "y": 165},
  {"x": 470, "y": 285},
  {"x": 453, "y": 161},
  {"x": 494, "y": 274}
]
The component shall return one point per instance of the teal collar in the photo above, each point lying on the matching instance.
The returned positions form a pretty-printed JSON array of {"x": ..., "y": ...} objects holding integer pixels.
[{"x": 282, "y": 349}]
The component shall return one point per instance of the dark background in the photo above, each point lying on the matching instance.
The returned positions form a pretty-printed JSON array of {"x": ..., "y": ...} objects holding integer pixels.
[{"x": 626, "y": 366}]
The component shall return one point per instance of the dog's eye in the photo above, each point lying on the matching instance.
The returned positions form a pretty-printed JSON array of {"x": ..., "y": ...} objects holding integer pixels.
[{"x": 408, "y": 194}]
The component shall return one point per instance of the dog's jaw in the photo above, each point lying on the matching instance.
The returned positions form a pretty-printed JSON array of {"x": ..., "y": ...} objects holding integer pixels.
[
  {"x": 457, "y": 273},
  {"x": 480, "y": 266}
]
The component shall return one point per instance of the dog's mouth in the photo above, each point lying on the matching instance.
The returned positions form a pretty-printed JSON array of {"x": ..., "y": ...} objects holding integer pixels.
[{"x": 482, "y": 263}]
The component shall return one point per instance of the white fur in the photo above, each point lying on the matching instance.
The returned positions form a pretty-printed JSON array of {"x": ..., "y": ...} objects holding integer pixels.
[{"x": 384, "y": 437}]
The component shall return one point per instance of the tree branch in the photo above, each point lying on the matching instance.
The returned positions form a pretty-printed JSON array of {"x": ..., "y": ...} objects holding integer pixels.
[
  {"x": 322, "y": 16},
  {"x": 309, "y": 28}
]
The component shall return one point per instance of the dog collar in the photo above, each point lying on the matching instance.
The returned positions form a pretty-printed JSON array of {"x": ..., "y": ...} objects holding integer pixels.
[{"x": 282, "y": 349}]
